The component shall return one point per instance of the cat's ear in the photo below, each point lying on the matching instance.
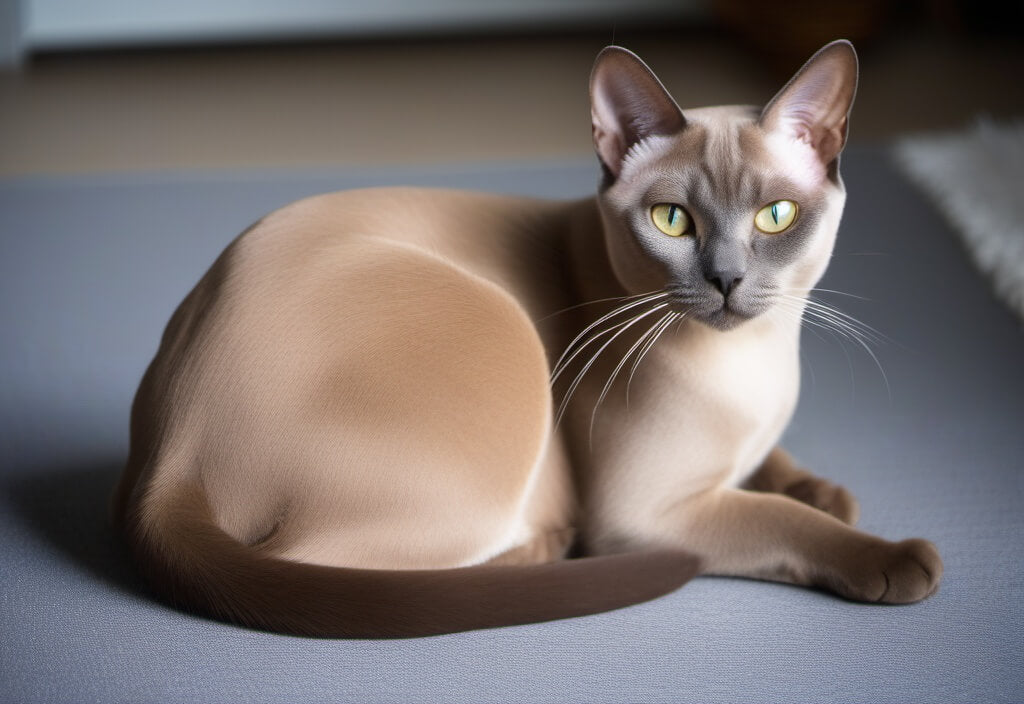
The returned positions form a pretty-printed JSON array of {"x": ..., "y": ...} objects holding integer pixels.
[
  {"x": 627, "y": 104},
  {"x": 814, "y": 107}
]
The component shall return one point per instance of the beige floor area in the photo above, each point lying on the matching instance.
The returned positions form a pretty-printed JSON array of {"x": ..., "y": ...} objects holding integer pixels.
[{"x": 434, "y": 100}]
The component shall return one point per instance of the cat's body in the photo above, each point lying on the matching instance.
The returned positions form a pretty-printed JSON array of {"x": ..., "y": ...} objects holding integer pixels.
[{"x": 355, "y": 399}]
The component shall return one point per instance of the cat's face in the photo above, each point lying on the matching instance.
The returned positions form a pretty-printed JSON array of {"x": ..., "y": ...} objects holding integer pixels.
[{"x": 729, "y": 209}]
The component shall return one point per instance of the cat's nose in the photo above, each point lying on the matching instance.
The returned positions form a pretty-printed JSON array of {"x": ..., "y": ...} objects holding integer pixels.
[{"x": 724, "y": 281}]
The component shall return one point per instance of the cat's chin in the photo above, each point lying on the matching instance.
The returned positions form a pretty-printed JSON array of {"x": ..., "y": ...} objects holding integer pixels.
[{"x": 723, "y": 319}]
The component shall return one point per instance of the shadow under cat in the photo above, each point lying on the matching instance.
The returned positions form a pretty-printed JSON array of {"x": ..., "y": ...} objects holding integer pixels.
[{"x": 67, "y": 508}]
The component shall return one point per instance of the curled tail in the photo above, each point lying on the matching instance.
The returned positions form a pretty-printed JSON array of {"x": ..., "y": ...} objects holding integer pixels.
[{"x": 194, "y": 564}]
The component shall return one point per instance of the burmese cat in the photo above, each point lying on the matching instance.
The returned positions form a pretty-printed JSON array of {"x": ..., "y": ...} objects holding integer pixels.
[{"x": 350, "y": 427}]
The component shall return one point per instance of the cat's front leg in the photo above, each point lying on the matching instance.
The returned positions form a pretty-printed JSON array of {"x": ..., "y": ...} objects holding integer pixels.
[
  {"x": 780, "y": 474},
  {"x": 771, "y": 536}
]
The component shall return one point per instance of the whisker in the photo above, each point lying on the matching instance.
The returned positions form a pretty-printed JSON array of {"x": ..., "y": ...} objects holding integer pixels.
[
  {"x": 849, "y": 330},
  {"x": 839, "y": 337},
  {"x": 811, "y": 316},
  {"x": 845, "y": 320},
  {"x": 607, "y": 316},
  {"x": 859, "y": 338},
  {"x": 579, "y": 377},
  {"x": 557, "y": 371},
  {"x": 796, "y": 314},
  {"x": 846, "y": 326},
  {"x": 840, "y": 323},
  {"x": 817, "y": 302},
  {"x": 647, "y": 348},
  {"x": 590, "y": 303},
  {"x": 804, "y": 292},
  {"x": 618, "y": 368},
  {"x": 840, "y": 293},
  {"x": 772, "y": 312},
  {"x": 864, "y": 328}
]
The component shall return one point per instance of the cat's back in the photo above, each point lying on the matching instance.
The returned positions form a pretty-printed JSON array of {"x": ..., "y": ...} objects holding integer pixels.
[
  {"x": 468, "y": 228},
  {"x": 316, "y": 267},
  {"x": 309, "y": 250}
]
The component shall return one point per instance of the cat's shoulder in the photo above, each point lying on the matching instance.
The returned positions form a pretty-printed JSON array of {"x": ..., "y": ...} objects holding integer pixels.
[{"x": 425, "y": 216}]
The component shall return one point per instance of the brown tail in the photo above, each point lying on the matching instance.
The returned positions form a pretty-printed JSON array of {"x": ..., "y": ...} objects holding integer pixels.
[{"x": 191, "y": 562}]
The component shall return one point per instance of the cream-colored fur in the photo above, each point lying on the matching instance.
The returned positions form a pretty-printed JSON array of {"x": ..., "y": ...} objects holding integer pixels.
[{"x": 362, "y": 381}]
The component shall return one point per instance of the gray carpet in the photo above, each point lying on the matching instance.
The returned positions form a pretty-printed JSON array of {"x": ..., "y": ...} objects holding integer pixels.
[{"x": 91, "y": 268}]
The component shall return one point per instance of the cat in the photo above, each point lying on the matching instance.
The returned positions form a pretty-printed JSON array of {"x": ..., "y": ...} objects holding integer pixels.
[{"x": 396, "y": 412}]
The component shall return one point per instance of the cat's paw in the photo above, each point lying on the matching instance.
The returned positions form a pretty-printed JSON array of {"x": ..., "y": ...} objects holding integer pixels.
[
  {"x": 893, "y": 573},
  {"x": 825, "y": 496},
  {"x": 912, "y": 573}
]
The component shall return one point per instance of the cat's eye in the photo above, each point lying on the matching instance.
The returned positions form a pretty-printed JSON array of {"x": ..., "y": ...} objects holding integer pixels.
[
  {"x": 776, "y": 217},
  {"x": 671, "y": 219}
]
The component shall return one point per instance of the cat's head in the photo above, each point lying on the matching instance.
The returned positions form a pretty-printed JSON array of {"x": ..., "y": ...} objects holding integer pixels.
[{"x": 727, "y": 208}]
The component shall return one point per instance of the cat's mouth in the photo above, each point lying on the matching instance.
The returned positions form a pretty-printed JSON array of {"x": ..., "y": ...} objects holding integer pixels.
[
  {"x": 726, "y": 317},
  {"x": 723, "y": 314}
]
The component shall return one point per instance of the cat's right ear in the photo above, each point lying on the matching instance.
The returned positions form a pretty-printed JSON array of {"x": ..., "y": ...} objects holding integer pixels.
[{"x": 627, "y": 104}]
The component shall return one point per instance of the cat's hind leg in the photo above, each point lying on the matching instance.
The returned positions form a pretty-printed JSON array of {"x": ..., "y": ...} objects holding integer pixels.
[
  {"x": 780, "y": 474},
  {"x": 418, "y": 430},
  {"x": 544, "y": 547}
]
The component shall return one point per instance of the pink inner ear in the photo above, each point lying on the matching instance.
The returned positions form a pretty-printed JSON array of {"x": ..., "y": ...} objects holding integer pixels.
[
  {"x": 812, "y": 123},
  {"x": 798, "y": 129},
  {"x": 811, "y": 112},
  {"x": 609, "y": 147},
  {"x": 812, "y": 109},
  {"x": 628, "y": 104}
]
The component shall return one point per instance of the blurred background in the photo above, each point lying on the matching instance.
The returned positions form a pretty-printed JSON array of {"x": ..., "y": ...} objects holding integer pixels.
[{"x": 114, "y": 85}]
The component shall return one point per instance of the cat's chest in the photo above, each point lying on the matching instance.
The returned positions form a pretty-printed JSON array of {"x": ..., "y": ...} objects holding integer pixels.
[
  {"x": 749, "y": 380},
  {"x": 712, "y": 406},
  {"x": 745, "y": 385}
]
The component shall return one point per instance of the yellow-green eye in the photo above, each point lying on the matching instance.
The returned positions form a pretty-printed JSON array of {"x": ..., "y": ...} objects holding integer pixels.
[
  {"x": 671, "y": 219},
  {"x": 776, "y": 217}
]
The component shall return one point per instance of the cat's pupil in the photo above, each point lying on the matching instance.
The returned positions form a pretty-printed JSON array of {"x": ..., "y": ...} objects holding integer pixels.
[
  {"x": 672, "y": 214},
  {"x": 775, "y": 213}
]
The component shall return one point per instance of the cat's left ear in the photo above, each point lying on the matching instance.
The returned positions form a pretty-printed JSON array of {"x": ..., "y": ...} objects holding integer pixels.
[
  {"x": 814, "y": 107},
  {"x": 627, "y": 104}
]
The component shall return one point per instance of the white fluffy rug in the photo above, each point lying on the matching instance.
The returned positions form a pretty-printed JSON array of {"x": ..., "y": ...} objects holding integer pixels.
[{"x": 976, "y": 178}]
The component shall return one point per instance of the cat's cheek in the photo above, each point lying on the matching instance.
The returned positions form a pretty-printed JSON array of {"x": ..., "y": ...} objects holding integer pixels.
[
  {"x": 636, "y": 268},
  {"x": 797, "y": 159},
  {"x": 639, "y": 266},
  {"x": 814, "y": 261}
]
